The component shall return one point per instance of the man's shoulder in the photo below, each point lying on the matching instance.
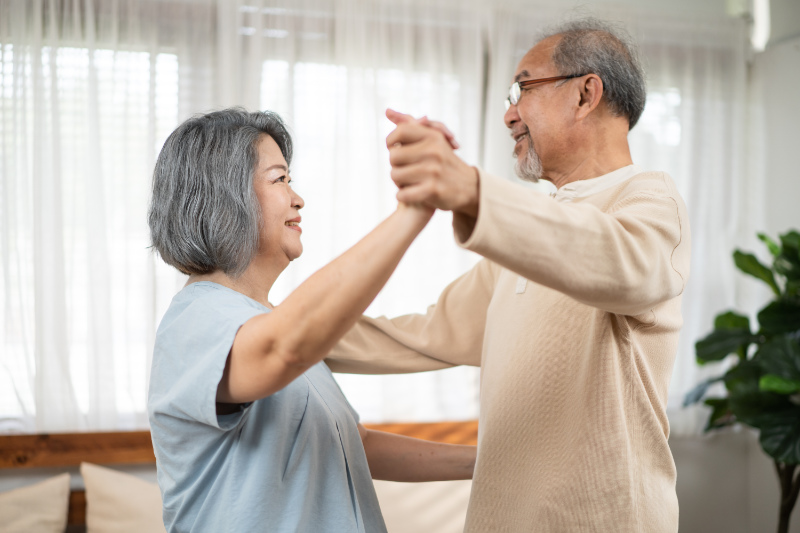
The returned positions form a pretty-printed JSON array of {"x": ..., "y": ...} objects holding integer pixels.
[
  {"x": 645, "y": 186},
  {"x": 650, "y": 182}
]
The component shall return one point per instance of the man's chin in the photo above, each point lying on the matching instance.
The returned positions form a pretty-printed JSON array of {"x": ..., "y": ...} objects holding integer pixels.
[{"x": 527, "y": 171}]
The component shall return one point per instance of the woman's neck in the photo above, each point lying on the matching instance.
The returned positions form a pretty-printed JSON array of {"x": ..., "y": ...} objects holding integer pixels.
[{"x": 255, "y": 282}]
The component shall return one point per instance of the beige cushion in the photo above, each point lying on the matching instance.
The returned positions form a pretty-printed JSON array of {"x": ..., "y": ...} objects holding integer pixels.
[
  {"x": 39, "y": 508},
  {"x": 120, "y": 503},
  {"x": 439, "y": 506}
]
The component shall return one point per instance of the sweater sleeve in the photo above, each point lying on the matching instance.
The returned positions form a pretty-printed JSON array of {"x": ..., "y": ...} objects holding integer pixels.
[
  {"x": 450, "y": 333},
  {"x": 625, "y": 259}
]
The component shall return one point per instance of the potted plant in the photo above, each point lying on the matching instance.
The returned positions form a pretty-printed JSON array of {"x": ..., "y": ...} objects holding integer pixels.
[{"x": 763, "y": 385}]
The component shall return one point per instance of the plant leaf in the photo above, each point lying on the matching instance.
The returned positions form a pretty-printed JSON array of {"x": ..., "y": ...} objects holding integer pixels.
[
  {"x": 780, "y": 434},
  {"x": 780, "y": 316},
  {"x": 779, "y": 385},
  {"x": 781, "y": 357},
  {"x": 787, "y": 263},
  {"x": 793, "y": 287},
  {"x": 749, "y": 264},
  {"x": 791, "y": 241},
  {"x": 721, "y": 342},
  {"x": 721, "y": 415},
  {"x": 774, "y": 249},
  {"x": 731, "y": 320},
  {"x": 699, "y": 390},
  {"x": 747, "y": 401}
]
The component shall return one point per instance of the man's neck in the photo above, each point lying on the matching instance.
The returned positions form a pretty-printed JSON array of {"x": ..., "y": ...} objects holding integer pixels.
[
  {"x": 594, "y": 149},
  {"x": 586, "y": 169}
]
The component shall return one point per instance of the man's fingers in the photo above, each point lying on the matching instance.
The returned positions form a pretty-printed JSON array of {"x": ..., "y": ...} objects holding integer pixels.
[
  {"x": 408, "y": 154},
  {"x": 425, "y": 121},
  {"x": 402, "y": 118},
  {"x": 416, "y": 194},
  {"x": 410, "y": 174},
  {"x": 397, "y": 117},
  {"x": 407, "y": 133}
]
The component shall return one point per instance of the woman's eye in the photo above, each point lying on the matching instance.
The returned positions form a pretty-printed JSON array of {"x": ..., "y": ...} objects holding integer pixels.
[{"x": 282, "y": 179}]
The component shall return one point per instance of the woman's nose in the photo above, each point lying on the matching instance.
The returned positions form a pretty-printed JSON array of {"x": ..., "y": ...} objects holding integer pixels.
[{"x": 297, "y": 201}]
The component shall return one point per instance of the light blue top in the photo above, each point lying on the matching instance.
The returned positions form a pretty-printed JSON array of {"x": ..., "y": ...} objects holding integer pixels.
[{"x": 291, "y": 462}]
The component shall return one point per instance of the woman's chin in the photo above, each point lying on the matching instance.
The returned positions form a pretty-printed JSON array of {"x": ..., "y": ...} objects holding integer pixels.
[{"x": 295, "y": 253}]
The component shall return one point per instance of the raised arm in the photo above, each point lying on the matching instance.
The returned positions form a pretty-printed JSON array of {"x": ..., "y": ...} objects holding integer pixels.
[
  {"x": 272, "y": 349},
  {"x": 450, "y": 333},
  {"x": 624, "y": 260}
]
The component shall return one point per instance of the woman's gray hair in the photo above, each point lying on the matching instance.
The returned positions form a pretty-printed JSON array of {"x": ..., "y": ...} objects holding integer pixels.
[
  {"x": 592, "y": 46},
  {"x": 204, "y": 214}
]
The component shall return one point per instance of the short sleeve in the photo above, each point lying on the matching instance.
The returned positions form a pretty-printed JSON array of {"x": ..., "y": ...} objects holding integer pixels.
[
  {"x": 192, "y": 346},
  {"x": 352, "y": 411}
]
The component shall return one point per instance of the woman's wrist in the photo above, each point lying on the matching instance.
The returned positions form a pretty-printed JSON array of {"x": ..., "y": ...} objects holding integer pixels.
[{"x": 417, "y": 212}]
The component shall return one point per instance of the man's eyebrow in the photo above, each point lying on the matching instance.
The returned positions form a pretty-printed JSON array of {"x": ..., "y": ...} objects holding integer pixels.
[{"x": 522, "y": 74}]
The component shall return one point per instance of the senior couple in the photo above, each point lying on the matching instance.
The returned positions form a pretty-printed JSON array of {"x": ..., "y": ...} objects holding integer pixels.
[{"x": 572, "y": 315}]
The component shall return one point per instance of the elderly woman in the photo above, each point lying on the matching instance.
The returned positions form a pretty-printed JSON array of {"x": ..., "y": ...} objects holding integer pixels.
[{"x": 251, "y": 432}]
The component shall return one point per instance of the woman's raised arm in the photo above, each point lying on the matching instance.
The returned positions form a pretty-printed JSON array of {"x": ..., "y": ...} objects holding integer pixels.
[{"x": 272, "y": 349}]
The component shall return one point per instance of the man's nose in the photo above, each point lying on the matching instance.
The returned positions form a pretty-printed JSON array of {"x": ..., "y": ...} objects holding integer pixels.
[{"x": 511, "y": 116}]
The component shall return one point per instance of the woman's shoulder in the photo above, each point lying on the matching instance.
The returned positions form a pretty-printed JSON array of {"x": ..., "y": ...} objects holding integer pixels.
[
  {"x": 208, "y": 292},
  {"x": 203, "y": 317},
  {"x": 205, "y": 298}
]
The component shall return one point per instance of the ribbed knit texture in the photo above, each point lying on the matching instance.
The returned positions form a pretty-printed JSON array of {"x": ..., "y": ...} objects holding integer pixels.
[{"x": 576, "y": 359}]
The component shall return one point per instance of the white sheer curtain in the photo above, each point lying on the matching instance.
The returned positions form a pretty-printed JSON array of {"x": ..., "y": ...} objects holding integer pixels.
[
  {"x": 332, "y": 72},
  {"x": 89, "y": 89},
  {"x": 694, "y": 127}
]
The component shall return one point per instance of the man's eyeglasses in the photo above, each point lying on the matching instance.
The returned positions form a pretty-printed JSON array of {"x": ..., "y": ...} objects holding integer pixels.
[{"x": 515, "y": 91}]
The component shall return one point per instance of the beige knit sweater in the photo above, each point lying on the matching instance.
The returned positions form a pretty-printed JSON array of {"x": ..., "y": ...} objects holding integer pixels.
[{"x": 575, "y": 362}]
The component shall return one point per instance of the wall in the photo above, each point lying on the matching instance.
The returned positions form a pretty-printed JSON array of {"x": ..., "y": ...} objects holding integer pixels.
[
  {"x": 726, "y": 484},
  {"x": 775, "y": 79}
]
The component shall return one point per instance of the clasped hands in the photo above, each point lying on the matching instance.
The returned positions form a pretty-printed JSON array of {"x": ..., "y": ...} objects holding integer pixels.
[{"x": 425, "y": 168}]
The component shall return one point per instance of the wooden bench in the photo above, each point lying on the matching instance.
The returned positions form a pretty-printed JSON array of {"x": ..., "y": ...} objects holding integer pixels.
[{"x": 64, "y": 450}]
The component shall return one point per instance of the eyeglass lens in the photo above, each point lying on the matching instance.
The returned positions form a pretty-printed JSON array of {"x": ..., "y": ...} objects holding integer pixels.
[{"x": 514, "y": 93}]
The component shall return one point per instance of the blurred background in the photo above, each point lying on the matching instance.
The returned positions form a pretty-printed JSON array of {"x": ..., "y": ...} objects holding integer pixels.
[{"x": 89, "y": 90}]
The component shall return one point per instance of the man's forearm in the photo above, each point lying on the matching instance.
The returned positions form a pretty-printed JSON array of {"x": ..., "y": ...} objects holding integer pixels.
[{"x": 398, "y": 458}]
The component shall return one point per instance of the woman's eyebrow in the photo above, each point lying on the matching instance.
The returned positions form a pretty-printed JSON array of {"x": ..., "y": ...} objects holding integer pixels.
[{"x": 284, "y": 167}]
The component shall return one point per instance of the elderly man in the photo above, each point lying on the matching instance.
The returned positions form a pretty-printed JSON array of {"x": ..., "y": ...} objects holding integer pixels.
[{"x": 574, "y": 313}]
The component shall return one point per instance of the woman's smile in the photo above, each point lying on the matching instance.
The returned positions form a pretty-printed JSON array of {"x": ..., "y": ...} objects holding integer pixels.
[{"x": 294, "y": 224}]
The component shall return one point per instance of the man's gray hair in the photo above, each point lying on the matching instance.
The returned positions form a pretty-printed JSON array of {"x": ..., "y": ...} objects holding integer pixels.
[
  {"x": 204, "y": 214},
  {"x": 592, "y": 46}
]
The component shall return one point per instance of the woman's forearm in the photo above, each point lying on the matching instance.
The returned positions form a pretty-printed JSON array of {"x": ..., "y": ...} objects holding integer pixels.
[
  {"x": 324, "y": 307},
  {"x": 271, "y": 350},
  {"x": 398, "y": 458}
]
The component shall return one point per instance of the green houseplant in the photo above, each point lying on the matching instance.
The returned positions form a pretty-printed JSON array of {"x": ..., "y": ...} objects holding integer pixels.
[{"x": 763, "y": 386}]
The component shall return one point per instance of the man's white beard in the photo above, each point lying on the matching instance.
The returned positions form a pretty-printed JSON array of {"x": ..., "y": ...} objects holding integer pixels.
[{"x": 529, "y": 166}]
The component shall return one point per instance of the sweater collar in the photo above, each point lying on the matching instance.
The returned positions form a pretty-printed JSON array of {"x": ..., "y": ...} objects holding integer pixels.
[{"x": 584, "y": 188}]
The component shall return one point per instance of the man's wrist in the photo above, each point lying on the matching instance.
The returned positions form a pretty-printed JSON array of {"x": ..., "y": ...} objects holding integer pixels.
[{"x": 471, "y": 203}]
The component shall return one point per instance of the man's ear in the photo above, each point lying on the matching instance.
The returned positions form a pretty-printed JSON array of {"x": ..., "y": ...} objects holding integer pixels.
[{"x": 591, "y": 92}]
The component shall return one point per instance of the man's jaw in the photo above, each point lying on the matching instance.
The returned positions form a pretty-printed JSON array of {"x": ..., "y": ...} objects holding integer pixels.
[{"x": 528, "y": 166}]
